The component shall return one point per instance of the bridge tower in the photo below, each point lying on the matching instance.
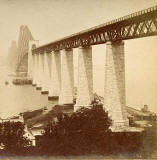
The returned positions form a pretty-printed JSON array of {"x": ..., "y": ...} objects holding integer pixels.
[{"x": 23, "y": 46}]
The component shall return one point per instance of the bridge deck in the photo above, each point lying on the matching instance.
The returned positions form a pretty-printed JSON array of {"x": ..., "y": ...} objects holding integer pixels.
[{"x": 136, "y": 25}]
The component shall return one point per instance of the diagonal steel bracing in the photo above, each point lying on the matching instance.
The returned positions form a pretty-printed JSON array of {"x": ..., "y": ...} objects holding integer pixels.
[{"x": 136, "y": 25}]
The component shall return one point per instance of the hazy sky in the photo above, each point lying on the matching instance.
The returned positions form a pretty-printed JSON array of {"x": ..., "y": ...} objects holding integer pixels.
[{"x": 52, "y": 19}]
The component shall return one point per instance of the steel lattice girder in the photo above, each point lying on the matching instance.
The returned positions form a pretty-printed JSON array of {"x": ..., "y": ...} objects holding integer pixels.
[{"x": 137, "y": 25}]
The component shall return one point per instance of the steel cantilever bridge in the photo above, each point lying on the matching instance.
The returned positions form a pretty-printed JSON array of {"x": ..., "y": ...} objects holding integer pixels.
[{"x": 136, "y": 25}]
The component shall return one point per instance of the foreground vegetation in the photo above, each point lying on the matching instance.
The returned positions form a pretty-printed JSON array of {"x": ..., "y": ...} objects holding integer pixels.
[
  {"x": 85, "y": 132},
  {"x": 12, "y": 139}
]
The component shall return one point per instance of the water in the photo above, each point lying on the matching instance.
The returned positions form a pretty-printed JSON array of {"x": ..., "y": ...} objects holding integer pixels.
[
  {"x": 15, "y": 98},
  {"x": 139, "y": 90}
]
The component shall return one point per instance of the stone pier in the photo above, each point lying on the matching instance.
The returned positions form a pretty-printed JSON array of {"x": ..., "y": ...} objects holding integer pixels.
[
  {"x": 67, "y": 77},
  {"x": 85, "y": 78},
  {"x": 46, "y": 73},
  {"x": 31, "y": 60},
  {"x": 55, "y": 80},
  {"x": 34, "y": 80},
  {"x": 40, "y": 71},
  {"x": 37, "y": 72},
  {"x": 41, "y": 58},
  {"x": 114, "y": 91}
]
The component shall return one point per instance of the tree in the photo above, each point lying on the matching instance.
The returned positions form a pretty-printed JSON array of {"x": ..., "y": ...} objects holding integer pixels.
[
  {"x": 12, "y": 136},
  {"x": 81, "y": 133}
]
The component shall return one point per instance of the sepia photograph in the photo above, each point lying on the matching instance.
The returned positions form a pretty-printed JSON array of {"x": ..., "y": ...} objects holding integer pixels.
[{"x": 78, "y": 79}]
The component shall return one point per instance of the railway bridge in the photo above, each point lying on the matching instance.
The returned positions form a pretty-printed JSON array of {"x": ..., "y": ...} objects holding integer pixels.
[{"x": 52, "y": 71}]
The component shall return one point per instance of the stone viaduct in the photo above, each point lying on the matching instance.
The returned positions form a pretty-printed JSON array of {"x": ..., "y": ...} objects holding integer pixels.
[{"x": 51, "y": 65}]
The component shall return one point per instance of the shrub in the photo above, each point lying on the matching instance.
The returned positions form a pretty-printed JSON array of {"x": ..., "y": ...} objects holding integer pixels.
[
  {"x": 12, "y": 136},
  {"x": 81, "y": 133},
  {"x": 87, "y": 132}
]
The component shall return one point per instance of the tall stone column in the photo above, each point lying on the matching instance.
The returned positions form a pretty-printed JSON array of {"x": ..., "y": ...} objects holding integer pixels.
[
  {"x": 32, "y": 44},
  {"x": 114, "y": 91},
  {"x": 34, "y": 80},
  {"x": 55, "y": 80},
  {"x": 67, "y": 77},
  {"x": 46, "y": 73},
  {"x": 40, "y": 71},
  {"x": 85, "y": 78},
  {"x": 41, "y": 58},
  {"x": 38, "y": 84}
]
